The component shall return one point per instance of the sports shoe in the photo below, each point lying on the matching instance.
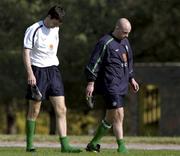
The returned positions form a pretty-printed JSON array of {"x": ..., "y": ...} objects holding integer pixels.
[
  {"x": 122, "y": 149},
  {"x": 36, "y": 94},
  {"x": 92, "y": 148},
  {"x": 90, "y": 101}
]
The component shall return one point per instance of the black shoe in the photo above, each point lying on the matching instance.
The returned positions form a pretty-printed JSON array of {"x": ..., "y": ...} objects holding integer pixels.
[
  {"x": 36, "y": 94},
  {"x": 30, "y": 149},
  {"x": 90, "y": 101},
  {"x": 91, "y": 148}
]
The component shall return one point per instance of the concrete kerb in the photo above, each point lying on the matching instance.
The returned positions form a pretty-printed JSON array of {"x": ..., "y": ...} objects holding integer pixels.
[{"x": 103, "y": 146}]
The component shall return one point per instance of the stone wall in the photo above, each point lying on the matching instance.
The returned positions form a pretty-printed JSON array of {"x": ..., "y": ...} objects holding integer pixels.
[{"x": 167, "y": 77}]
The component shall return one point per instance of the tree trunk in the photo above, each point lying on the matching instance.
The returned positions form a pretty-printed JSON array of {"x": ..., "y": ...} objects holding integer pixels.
[{"x": 10, "y": 118}]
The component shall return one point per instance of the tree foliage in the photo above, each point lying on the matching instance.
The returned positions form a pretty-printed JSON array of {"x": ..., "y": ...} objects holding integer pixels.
[{"x": 154, "y": 37}]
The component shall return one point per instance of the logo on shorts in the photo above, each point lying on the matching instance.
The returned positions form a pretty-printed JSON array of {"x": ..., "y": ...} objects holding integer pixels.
[{"x": 114, "y": 103}]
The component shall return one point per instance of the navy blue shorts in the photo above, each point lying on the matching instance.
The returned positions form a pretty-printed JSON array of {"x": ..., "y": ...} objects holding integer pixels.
[
  {"x": 113, "y": 101},
  {"x": 49, "y": 82}
]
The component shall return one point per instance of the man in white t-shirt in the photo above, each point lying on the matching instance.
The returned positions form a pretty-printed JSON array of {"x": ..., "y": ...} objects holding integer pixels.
[{"x": 43, "y": 76}]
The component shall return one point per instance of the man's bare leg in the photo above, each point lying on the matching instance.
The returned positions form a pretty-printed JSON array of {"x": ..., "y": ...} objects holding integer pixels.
[
  {"x": 60, "y": 110},
  {"x": 118, "y": 129}
]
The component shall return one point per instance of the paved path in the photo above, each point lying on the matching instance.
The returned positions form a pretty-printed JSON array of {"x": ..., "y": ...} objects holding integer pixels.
[{"x": 109, "y": 146}]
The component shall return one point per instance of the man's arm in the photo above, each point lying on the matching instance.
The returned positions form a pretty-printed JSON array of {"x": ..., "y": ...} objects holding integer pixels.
[
  {"x": 132, "y": 81},
  {"x": 93, "y": 67},
  {"x": 27, "y": 63}
]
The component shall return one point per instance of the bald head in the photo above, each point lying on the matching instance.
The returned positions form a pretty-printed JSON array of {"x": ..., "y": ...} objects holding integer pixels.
[
  {"x": 123, "y": 24},
  {"x": 122, "y": 28}
]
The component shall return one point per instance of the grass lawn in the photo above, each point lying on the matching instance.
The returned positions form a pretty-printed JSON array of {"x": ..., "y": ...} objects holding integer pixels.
[
  {"x": 20, "y": 151},
  {"x": 104, "y": 152}
]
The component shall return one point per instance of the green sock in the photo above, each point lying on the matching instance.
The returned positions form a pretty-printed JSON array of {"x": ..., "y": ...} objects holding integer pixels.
[
  {"x": 30, "y": 130},
  {"x": 66, "y": 148},
  {"x": 64, "y": 142},
  {"x": 101, "y": 131},
  {"x": 121, "y": 146}
]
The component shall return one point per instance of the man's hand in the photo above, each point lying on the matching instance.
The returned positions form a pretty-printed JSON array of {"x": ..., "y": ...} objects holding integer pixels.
[
  {"x": 89, "y": 89},
  {"x": 31, "y": 79},
  {"x": 134, "y": 85},
  {"x": 89, "y": 97}
]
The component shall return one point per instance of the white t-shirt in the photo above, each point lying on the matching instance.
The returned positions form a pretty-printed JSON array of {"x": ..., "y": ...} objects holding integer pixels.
[{"x": 43, "y": 43}]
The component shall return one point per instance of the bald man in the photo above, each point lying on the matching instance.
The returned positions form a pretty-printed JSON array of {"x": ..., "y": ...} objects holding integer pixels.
[{"x": 109, "y": 73}]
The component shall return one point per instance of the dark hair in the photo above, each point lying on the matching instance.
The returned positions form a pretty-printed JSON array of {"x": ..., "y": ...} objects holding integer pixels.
[{"x": 57, "y": 12}]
